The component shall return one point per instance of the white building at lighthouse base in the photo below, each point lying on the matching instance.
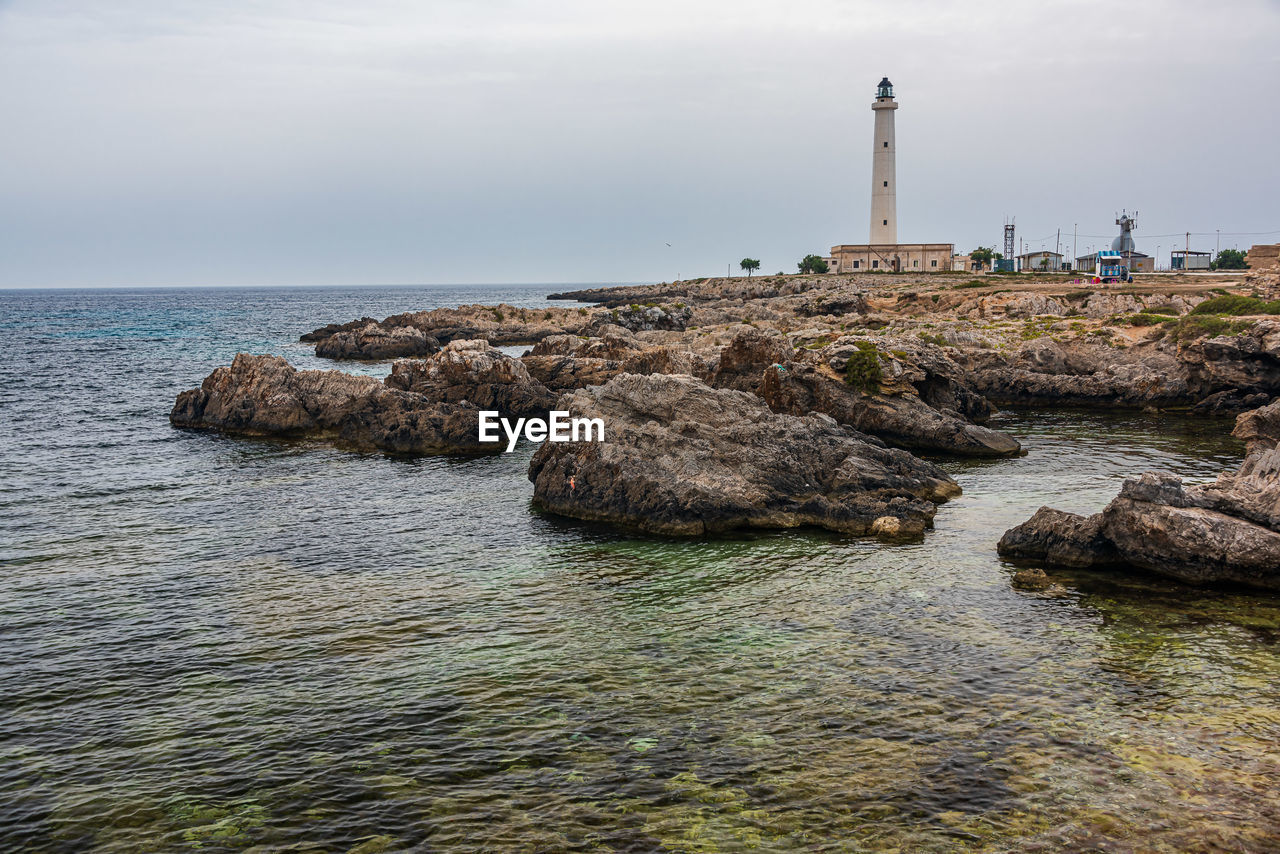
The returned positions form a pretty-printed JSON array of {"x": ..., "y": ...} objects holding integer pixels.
[{"x": 891, "y": 258}]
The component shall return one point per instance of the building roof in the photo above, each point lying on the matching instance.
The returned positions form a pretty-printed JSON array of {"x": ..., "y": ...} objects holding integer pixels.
[{"x": 1039, "y": 252}]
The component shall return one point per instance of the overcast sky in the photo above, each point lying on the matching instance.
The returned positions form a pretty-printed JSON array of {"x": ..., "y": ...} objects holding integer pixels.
[{"x": 390, "y": 141}]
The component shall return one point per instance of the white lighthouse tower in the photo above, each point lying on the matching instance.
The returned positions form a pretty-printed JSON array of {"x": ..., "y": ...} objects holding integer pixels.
[{"x": 884, "y": 184}]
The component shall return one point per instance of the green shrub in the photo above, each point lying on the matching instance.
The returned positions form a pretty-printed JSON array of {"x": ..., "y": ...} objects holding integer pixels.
[
  {"x": 975, "y": 283},
  {"x": 936, "y": 340},
  {"x": 1167, "y": 310},
  {"x": 1192, "y": 327},
  {"x": 1140, "y": 320},
  {"x": 863, "y": 368},
  {"x": 1231, "y": 304}
]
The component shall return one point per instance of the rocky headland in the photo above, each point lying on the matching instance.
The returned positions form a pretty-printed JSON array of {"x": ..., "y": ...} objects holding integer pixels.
[{"x": 893, "y": 364}]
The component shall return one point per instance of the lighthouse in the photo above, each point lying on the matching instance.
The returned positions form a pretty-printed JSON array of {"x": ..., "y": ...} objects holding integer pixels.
[
  {"x": 884, "y": 254},
  {"x": 884, "y": 183}
]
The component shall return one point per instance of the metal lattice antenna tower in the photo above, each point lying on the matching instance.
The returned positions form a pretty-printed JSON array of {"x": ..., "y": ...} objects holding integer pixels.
[{"x": 1008, "y": 240}]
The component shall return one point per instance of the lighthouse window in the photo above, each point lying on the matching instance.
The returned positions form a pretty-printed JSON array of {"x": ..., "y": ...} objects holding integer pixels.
[
  {"x": 886, "y": 222},
  {"x": 886, "y": 145},
  {"x": 886, "y": 183}
]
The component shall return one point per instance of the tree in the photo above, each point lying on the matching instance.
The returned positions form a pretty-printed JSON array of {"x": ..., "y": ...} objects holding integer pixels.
[
  {"x": 983, "y": 255},
  {"x": 749, "y": 264},
  {"x": 812, "y": 264},
  {"x": 1230, "y": 259}
]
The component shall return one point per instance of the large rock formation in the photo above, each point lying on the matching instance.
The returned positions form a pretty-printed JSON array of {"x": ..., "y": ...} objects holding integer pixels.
[
  {"x": 1219, "y": 373},
  {"x": 1059, "y": 538},
  {"x": 1226, "y": 531},
  {"x": 373, "y": 341},
  {"x": 423, "y": 407},
  {"x": 644, "y": 318},
  {"x": 568, "y": 362},
  {"x": 914, "y": 403},
  {"x": 476, "y": 373},
  {"x": 680, "y": 457}
]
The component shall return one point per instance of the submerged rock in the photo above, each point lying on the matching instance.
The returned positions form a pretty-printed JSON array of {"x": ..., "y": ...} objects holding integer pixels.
[
  {"x": 682, "y": 458},
  {"x": 1031, "y": 579}
]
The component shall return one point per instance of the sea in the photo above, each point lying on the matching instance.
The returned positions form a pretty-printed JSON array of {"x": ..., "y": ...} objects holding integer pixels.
[{"x": 212, "y": 643}]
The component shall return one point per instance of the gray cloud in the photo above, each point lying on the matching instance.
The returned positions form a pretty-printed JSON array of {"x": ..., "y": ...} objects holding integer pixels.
[{"x": 283, "y": 142}]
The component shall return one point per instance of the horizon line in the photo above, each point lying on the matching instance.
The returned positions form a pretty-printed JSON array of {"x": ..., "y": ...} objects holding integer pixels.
[{"x": 589, "y": 283}]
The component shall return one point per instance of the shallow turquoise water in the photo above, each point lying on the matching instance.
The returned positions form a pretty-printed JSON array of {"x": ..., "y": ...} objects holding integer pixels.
[{"x": 215, "y": 644}]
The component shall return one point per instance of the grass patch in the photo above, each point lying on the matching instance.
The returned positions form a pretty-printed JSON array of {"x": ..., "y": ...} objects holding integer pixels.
[
  {"x": 1138, "y": 320},
  {"x": 1038, "y": 328},
  {"x": 975, "y": 283},
  {"x": 1231, "y": 304},
  {"x": 1193, "y": 327},
  {"x": 936, "y": 340}
]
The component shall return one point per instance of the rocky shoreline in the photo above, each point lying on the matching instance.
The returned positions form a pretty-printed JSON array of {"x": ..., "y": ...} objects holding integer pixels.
[
  {"x": 853, "y": 367},
  {"x": 1227, "y": 531}
]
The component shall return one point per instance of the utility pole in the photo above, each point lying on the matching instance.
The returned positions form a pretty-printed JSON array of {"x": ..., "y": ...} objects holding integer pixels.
[
  {"x": 1057, "y": 245},
  {"x": 1075, "y": 228},
  {"x": 1217, "y": 246}
]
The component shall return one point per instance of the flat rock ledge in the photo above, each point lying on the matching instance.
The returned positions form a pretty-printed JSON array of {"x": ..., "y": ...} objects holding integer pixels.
[
  {"x": 1227, "y": 531},
  {"x": 683, "y": 458},
  {"x": 422, "y": 333},
  {"x": 425, "y": 407},
  {"x": 373, "y": 342}
]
